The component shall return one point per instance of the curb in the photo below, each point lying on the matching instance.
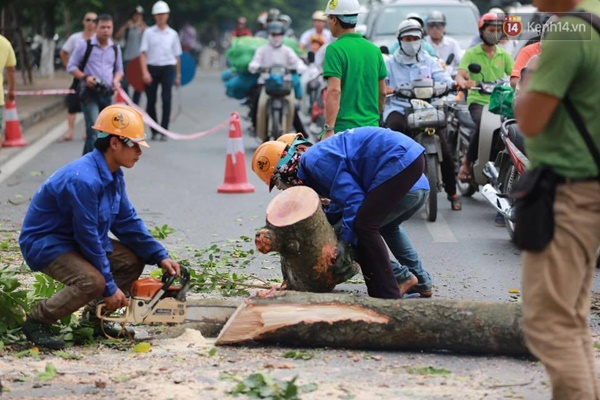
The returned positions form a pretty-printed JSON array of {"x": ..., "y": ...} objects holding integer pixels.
[{"x": 40, "y": 114}]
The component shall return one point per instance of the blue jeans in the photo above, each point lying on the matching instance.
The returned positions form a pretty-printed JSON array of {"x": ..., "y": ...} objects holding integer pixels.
[
  {"x": 91, "y": 107},
  {"x": 400, "y": 244}
]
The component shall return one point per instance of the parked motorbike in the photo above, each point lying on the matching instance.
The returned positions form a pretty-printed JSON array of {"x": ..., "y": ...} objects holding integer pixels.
[
  {"x": 425, "y": 119},
  {"x": 504, "y": 172},
  {"x": 276, "y": 108},
  {"x": 462, "y": 128}
]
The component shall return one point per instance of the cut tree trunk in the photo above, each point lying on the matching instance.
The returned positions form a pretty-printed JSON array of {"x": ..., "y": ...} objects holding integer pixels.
[
  {"x": 298, "y": 229},
  {"x": 358, "y": 322}
]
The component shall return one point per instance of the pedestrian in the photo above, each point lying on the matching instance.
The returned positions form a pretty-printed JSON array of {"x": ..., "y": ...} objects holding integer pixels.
[
  {"x": 241, "y": 29},
  {"x": 557, "y": 108},
  {"x": 160, "y": 57},
  {"x": 407, "y": 64},
  {"x": 319, "y": 30},
  {"x": 98, "y": 65},
  {"x": 354, "y": 70},
  {"x": 366, "y": 173},
  {"x": 8, "y": 62},
  {"x": 132, "y": 32},
  {"x": 73, "y": 102},
  {"x": 65, "y": 231}
]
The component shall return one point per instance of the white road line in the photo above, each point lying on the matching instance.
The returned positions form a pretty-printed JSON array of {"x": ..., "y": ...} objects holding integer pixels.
[
  {"x": 16, "y": 162},
  {"x": 440, "y": 230}
]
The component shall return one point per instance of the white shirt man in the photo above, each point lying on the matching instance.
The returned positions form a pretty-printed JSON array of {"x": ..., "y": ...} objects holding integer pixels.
[
  {"x": 445, "y": 47},
  {"x": 162, "y": 46}
]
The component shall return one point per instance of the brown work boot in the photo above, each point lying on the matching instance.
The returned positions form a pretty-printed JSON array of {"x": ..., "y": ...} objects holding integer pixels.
[
  {"x": 41, "y": 334},
  {"x": 406, "y": 285}
]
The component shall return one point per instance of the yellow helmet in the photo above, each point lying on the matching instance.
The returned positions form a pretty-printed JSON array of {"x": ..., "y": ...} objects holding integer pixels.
[
  {"x": 123, "y": 121},
  {"x": 294, "y": 138},
  {"x": 265, "y": 160}
]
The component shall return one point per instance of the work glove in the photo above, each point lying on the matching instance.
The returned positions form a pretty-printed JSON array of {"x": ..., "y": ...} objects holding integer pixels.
[{"x": 344, "y": 260}]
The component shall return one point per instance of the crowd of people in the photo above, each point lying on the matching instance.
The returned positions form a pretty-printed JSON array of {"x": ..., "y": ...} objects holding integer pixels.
[{"x": 367, "y": 171}]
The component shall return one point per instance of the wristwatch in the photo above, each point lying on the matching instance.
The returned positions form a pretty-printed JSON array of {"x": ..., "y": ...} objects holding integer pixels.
[{"x": 327, "y": 127}]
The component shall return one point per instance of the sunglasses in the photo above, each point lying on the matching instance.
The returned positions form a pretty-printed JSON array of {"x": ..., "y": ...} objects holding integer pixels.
[{"x": 435, "y": 25}]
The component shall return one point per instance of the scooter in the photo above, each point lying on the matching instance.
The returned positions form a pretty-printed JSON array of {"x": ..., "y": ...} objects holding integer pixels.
[
  {"x": 504, "y": 172},
  {"x": 276, "y": 108},
  {"x": 462, "y": 128},
  {"x": 425, "y": 118}
]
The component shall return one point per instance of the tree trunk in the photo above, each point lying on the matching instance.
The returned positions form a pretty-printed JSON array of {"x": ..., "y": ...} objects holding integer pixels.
[
  {"x": 360, "y": 322},
  {"x": 298, "y": 229},
  {"x": 47, "y": 58}
]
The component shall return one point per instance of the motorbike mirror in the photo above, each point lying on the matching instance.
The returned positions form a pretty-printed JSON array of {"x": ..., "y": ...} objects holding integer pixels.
[
  {"x": 384, "y": 50},
  {"x": 450, "y": 59},
  {"x": 311, "y": 57},
  {"x": 474, "y": 68}
]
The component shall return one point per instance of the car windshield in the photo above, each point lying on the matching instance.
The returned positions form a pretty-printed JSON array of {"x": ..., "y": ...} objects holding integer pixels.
[{"x": 460, "y": 19}]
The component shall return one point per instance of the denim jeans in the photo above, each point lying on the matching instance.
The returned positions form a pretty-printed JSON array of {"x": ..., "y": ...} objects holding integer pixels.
[
  {"x": 400, "y": 244},
  {"x": 91, "y": 105}
]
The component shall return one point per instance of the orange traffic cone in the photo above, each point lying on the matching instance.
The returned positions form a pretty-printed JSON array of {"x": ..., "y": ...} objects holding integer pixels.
[
  {"x": 236, "y": 180},
  {"x": 13, "y": 126}
]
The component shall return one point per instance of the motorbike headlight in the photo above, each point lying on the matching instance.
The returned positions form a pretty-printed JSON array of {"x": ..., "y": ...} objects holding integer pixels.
[{"x": 423, "y": 93}]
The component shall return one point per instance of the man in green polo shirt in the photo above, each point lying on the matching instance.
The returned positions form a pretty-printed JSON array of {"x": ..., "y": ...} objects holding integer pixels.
[
  {"x": 354, "y": 70},
  {"x": 557, "y": 280},
  {"x": 495, "y": 64}
]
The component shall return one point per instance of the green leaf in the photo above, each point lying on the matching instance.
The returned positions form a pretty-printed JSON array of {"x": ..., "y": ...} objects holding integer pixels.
[
  {"x": 428, "y": 371},
  {"x": 299, "y": 355},
  {"x": 66, "y": 356},
  {"x": 212, "y": 352},
  {"x": 48, "y": 374},
  {"x": 597, "y": 345}
]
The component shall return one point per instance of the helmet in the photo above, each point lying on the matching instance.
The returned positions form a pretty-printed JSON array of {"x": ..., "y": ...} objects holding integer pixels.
[
  {"x": 319, "y": 16},
  {"x": 436, "y": 17},
  {"x": 160, "y": 7},
  {"x": 273, "y": 14},
  {"x": 123, "y": 121},
  {"x": 496, "y": 10},
  {"x": 416, "y": 17},
  {"x": 294, "y": 139},
  {"x": 409, "y": 27},
  {"x": 242, "y": 20},
  {"x": 275, "y": 28},
  {"x": 342, "y": 7},
  {"x": 265, "y": 159},
  {"x": 490, "y": 19},
  {"x": 139, "y": 10},
  {"x": 285, "y": 19}
]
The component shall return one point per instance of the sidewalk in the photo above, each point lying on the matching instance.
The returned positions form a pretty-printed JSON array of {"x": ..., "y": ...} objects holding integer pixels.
[{"x": 35, "y": 109}]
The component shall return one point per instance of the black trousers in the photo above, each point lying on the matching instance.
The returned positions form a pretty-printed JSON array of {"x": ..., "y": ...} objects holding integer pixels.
[
  {"x": 165, "y": 77},
  {"x": 397, "y": 122},
  {"x": 476, "y": 110},
  {"x": 371, "y": 250}
]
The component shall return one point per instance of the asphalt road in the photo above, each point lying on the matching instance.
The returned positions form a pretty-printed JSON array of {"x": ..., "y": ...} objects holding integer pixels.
[{"x": 175, "y": 183}]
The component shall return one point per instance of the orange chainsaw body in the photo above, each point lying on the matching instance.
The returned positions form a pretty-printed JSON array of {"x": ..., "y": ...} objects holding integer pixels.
[{"x": 147, "y": 287}]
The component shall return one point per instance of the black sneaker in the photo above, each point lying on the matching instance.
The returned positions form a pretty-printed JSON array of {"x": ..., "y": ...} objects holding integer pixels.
[{"x": 42, "y": 334}]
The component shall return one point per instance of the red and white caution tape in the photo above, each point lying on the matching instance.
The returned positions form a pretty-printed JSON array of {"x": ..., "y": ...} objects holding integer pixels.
[
  {"x": 44, "y": 92},
  {"x": 154, "y": 125}
]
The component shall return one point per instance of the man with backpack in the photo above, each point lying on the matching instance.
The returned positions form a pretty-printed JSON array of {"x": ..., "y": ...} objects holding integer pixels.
[{"x": 98, "y": 65}]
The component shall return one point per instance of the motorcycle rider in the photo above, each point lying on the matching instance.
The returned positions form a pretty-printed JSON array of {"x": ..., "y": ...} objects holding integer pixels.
[
  {"x": 286, "y": 20},
  {"x": 274, "y": 53},
  {"x": 442, "y": 43},
  {"x": 319, "y": 29},
  {"x": 405, "y": 65},
  {"x": 427, "y": 47},
  {"x": 495, "y": 64}
]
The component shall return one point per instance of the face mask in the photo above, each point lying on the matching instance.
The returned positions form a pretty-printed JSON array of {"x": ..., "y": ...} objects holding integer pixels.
[
  {"x": 490, "y": 38},
  {"x": 276, "y": 41},
  {"x": 411, "y": 48}
]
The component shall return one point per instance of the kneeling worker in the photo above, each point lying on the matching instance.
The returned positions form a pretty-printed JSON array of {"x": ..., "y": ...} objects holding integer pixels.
[{"x": 65, "y": 231}]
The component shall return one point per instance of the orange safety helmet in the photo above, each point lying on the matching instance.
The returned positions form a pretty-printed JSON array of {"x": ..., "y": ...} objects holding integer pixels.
[
  {"x": 490, "y": 18},
  {"x": 265, "y": 160},
  {"x": 123, "y": 121}
]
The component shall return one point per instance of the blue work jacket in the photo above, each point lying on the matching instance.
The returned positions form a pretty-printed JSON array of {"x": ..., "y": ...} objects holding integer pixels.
[
  {"x": 75, "y": 209},
  {"x": 348, "y": 165}
]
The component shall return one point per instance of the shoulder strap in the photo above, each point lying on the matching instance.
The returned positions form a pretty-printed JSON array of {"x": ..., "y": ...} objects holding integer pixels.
[
  {"x": 595, "y": 21},
  {"x": 86, "y": 56},
  {"x": 116, "y": 57}
]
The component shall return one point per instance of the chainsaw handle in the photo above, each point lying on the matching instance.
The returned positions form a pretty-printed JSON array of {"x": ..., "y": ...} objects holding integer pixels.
[{"x": 100, "y": 308}]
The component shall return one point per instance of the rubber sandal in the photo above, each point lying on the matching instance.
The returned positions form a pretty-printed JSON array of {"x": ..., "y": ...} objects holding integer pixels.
[{"x": 455, "y": 203}]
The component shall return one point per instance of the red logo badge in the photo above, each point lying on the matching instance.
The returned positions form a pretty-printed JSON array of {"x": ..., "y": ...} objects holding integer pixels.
[{"x": 512, "y": 26}]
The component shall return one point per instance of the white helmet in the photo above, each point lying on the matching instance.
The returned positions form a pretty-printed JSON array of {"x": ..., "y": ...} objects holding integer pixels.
[
  {"x": 342, "y": 7},
  {"x": 409, "y": 27},
  {"x": 319, "y": 16},
  {"x": 160, "y": 7}
]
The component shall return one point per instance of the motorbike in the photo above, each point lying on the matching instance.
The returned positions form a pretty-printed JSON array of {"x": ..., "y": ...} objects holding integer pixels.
[
  {"x": 504, "y": 172},
  {"x": 276, "y": 103},
  {"x": 425, "y": 119},
  {"x": 462, "y": 127}
]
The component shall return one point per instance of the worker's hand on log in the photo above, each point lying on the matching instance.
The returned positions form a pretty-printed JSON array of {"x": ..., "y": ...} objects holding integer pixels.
[{"x": 344, "y": 260}]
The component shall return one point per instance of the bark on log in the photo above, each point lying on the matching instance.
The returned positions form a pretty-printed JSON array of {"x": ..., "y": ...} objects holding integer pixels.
[
  {"x": 359, "y": 322},
  {"x": 298, "y": 229}
]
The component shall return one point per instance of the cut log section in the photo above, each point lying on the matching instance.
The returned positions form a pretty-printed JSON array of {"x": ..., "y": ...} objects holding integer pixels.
[
  {"x": 358, "y": 322},
  {"x": 298, "y": 229}
]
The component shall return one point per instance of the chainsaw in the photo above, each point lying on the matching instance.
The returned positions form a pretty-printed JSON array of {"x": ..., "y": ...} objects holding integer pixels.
[{"x": 153, "y": 301}]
